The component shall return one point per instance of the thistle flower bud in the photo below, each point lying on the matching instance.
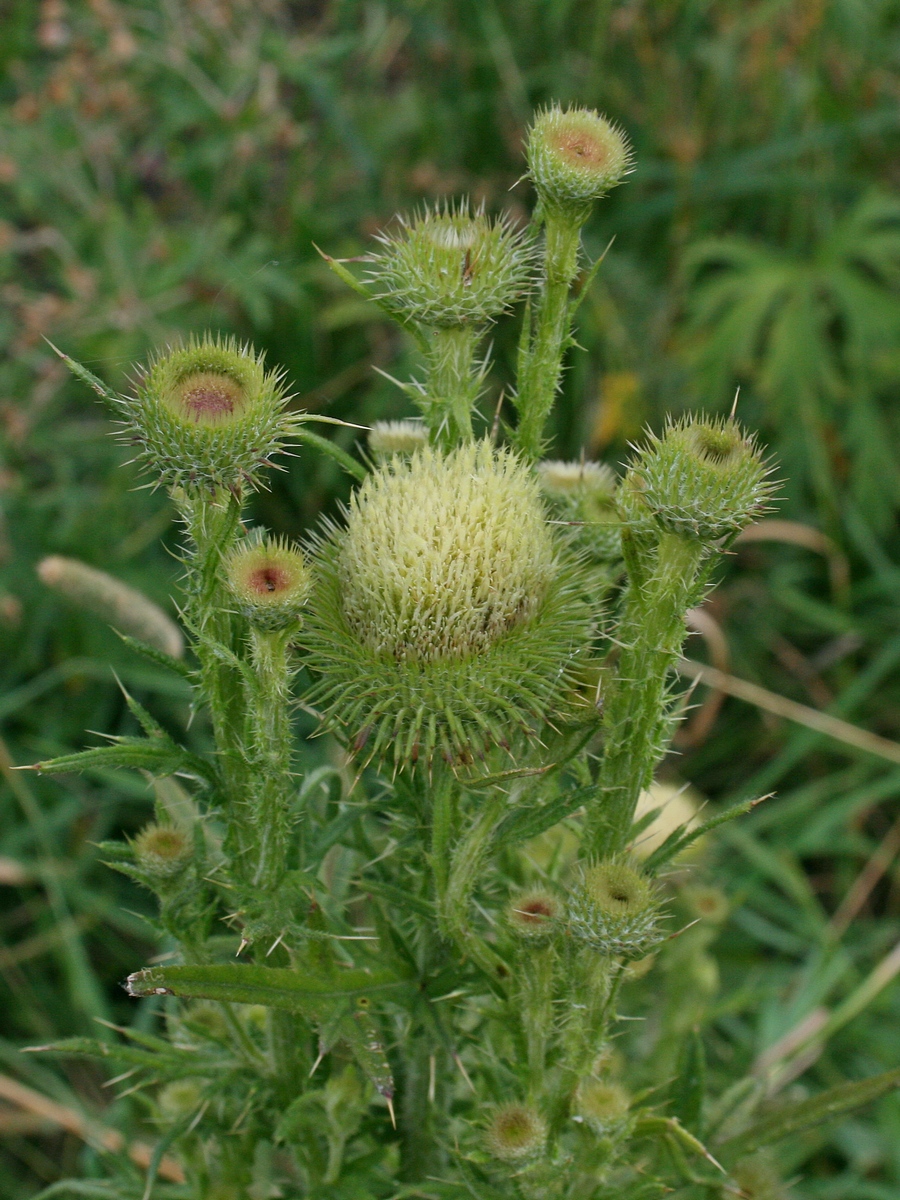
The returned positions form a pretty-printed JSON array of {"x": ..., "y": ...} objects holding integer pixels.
[
  {"x": 584, "y": 494},
  {"x": 452, "y": 267},
  {"x": 443, "y": 620},
  {"x": 208, "y": 414},
  {"x": 270, "y": 581},
  {"x": 574, "y": 157},
  {"x": 125, "y": 608},
  {"x": 601, "y": 1105},
  {"x": 517, "y": 1133},
  {"x": 534, "y": 916},
  {"x": 180, "y": 1098},
  {"x": 162, "y": 851},
  {"x": 703, "y": 479},
  {"x": 709, "y": 904},
  {"x": 387, "y": 438},
  {"x": 614, "y": 909}
]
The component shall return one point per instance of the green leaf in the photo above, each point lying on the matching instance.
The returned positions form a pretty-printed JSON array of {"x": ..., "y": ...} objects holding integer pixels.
[
  {"x": 788, "y": 1119},
  {"x": 681, "y": 838},
  {"x": 326, "y": 446},
  {"x": 301, "y": 991},
  {"x": 523, "y": 824},
  {"x": 157, "y": 656},
  {"x": 86, "y": 376},
  {"x": 689, "y": 1085},
  {"x": 158, "y": 756}
]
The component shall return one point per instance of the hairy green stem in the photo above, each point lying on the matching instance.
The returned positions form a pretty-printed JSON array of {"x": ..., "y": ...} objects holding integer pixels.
[
  {"x": 537, "y": 967},
  {"x": 635, "y": 721},
  {"x": 540, "y": 363},
  {"x": 271, "y": 781},
  {"x": 453, "y": 383}
]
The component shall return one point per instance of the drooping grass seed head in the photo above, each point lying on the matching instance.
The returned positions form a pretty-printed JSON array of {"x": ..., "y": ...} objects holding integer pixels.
[
  {"x": 444, "y": 620},
  {"x": 162, "y": 851},
  {"x": 270, "y": 581},
  {"x": 208, "y": 414},
  {"x": 574, "y": 157},
  {"x": 387, "y": 438},
  {"x": 535, "y": 916},
  {"x": 452, "y": 267},
  {"x": 601, "y": 1104},
  {"x": 615, "y": 909},
  {"x": 704, "y": 479},
  {"x": 517, "y": 1133}
]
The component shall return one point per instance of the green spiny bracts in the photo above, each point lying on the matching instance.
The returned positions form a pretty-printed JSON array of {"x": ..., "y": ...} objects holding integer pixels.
[
  {"x": 442, "y": 619},
  {"x": 615, "y": 909},
  {"x": 574, "y": 157},
  {"x": 161, "y": 851},
  {"x": 601, "y": 1105},
  {"x": 208, "y": 414},
  {"x": 583, "y": 494},
  {"x": 387, "y": 438},
  {"x": 535, "y": 916},
  {"x": 704, "y": 479},
  {"x": 270, "y": 581},
  {"x": 517, "y": 1133},
  {"x": 452, "y": 267}
]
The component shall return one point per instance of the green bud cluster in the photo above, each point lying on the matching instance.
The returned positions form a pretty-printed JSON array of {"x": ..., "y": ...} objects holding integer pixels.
[
  {"x": 704, "y": 479},
  {"x": 615, "y": 909},
  {"x": 443, "y": 615},
  {"x": 517, "y": 1134},
  {"x": 208, "y": 414},
  {"x": 452, "y": 267},
  {"x": 269, "y": 579},
  {"x": 574, "y": 157}
]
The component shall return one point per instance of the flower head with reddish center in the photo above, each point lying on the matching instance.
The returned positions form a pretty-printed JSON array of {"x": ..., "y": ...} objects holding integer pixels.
[
  {"x": 574, "y": 157},
  {"x": 270, "y": 580}
]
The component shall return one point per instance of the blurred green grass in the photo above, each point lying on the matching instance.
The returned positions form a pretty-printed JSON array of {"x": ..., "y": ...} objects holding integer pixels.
[{"x": 168, "y": 166}]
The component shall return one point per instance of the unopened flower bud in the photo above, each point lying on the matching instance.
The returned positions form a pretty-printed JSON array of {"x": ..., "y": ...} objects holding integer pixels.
[
  {"x": 270, "y": 581},
  {"x": 574, "y": 157},
  {"x": 208, "y": 414},
  {"x": 710, "y": 904},
  {"x": 583, "y": 494},
  {"x": 601, "y": 1105},
  {"x": 703, "y": 479},
  {"x": 125, "y": 608},
  {"x": 448, "y": 267},
  {"x": 180, "y": 1098},
  {"x": 387, "y": 438},
  {"x": 162, "y": 851},
  {"x": 534, "y": 916},
  {"x": 614, "y": 909},
  {"x": 517, "y": 1133}
]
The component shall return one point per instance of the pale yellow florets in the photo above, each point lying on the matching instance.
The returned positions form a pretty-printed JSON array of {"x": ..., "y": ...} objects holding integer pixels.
[
  {"x": 444, "y": 554},
  {"x": 397, "y": 437},
  {"x": 565, "y": 477}
]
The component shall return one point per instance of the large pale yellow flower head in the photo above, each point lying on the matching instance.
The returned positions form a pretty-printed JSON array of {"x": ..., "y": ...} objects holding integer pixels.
[{"x": 443, "y": 555}]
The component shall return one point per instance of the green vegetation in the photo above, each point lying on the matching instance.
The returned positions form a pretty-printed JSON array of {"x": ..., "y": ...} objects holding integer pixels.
[{"x": 168, "y": 168}]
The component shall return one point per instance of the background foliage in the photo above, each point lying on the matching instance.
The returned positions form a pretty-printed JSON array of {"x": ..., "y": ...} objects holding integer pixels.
[{"x": 168, "y": 166}]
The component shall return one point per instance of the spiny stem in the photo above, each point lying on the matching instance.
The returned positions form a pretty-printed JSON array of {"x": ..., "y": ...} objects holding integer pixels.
[
  {"x": 453, "y": 383},
  {"x": 271, "y": 739},
  {"x": 635, "y": 709},
  {"x": 540, "y": 366}
]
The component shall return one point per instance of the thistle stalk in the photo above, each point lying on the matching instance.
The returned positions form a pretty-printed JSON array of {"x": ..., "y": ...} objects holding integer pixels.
[{"x": 453, "y": 383}]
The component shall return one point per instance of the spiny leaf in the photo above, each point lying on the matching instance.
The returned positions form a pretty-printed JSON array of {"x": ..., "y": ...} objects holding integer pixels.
[
  {"x": 794, "y": 1118},
  {"x": 681, "y": 838},
  {"x": 275, "y": 987},
  {"x": 159, "y": 757}
]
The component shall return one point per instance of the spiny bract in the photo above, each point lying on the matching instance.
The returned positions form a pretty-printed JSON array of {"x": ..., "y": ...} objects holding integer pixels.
[
  {"x": 452, "y": 267},
  {"x": 574, "y": 157},
  {"x": 443, "y": 618},
  {"x": 208, "y": 414},
  {"x": 615, "y": 909},
  {"x": 397, "y": 437},
  {"x": 704, "y": 478}
]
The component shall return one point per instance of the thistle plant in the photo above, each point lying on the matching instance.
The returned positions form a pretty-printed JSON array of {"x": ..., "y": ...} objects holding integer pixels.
[{"x": 399, "y": 967}]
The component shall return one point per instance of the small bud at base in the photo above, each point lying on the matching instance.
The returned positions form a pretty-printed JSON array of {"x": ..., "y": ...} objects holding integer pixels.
[{"x": 516, "y": 1133}]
